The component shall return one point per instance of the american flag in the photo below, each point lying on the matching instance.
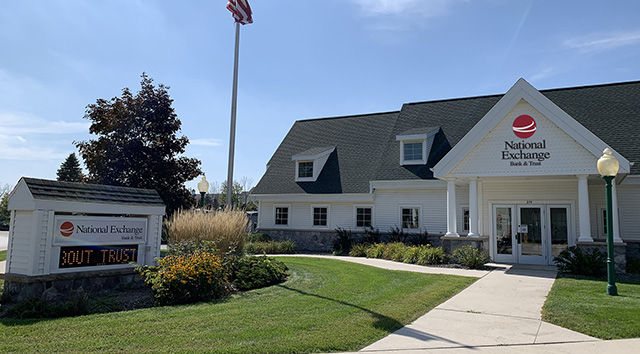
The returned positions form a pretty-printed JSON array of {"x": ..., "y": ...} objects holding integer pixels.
[{"x": 241, "y": 11}]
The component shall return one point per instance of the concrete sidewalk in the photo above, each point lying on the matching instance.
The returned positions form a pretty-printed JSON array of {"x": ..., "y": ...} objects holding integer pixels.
[{"x": 499, "y": 313}]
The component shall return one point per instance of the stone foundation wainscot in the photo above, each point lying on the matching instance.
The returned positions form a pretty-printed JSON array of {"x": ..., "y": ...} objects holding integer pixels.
[
  {"x": 450, "y": 244},
  {"x": 322, "y": 241},
  {"x": 619, "y": 253},
  {"x": 59, "y": 287}
]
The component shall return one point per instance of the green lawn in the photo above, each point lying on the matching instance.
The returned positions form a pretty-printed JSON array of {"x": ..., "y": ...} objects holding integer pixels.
[
  {"x": 582, "y": 305},
  {"x": 3, "y": 255},
  {"x": 326, "y": 305}
]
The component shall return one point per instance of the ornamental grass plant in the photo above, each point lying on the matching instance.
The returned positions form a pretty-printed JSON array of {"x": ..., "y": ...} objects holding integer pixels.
[{"x": 226, "y": 229}]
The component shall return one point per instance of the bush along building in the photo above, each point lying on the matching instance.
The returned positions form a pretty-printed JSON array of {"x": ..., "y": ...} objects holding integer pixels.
[{"x": 514, "y": 174}]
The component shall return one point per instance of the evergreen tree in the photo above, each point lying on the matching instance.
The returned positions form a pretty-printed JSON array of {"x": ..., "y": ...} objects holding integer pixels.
[
  {"x": 138, "y": 146},
  {"x": 70, "y": 170}
]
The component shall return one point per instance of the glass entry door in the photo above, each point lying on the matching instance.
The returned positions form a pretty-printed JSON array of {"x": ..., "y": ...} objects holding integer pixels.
[
  {"x": 530, "y": 230},
  {"x": 558, "y": 228},
  {"x": 504, "y": 238}
]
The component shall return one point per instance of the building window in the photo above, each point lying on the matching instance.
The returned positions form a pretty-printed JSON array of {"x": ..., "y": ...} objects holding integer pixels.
[
  {"x": 465, "y": 218},
  {"x": 282, "y": 216},
  {"x": 410, "y": 218},
  {"x": 413, "y": 151},
  {"x": 320, "y": 216},
  {"x": 305, "y": 169},
  {"x": 363, "y": 217}
]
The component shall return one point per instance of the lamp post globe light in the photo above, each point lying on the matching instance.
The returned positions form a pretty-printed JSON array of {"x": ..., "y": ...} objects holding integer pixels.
[
  {"x": 203, "y": 187},
  {"x": 608, "y": 167}
]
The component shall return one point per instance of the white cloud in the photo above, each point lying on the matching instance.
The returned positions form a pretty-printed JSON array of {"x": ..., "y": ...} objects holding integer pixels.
[
  {"x": 205, "y": 142},
  {"x": 21, "y": 123},
  {"x": 404, "y": 7},
  {"x": 15, "y": 147},
  {"x": 597, "y": 42}
]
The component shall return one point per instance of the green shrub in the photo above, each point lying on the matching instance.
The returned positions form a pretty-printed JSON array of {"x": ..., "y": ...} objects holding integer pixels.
[
  {"x": 397, "y": 234},
  {"x": 258, "y": 238},
  {"x": 33, "y": 307},
  {"x": 375, "y": 250},
  {"x": 427, "y": 255},
  {"x": 633, "y": 266},
  {"x": 359, "y": 250},
  {"x": 574, "y": 260},
  {"x": 470, "y": 257},
  {"x": 272, "y": 247},
  {"x": 199, "y": 276},
  {"x": 257, "y": 272},
  {"x": 410, "y": 255},
  {"x": 372, "y": 235},
  {"x": 419, "y": 239},
  {"x": 343, "y": 241},
  {"x": 226, "y": 228},
  {"x": 394, "y": 251}
]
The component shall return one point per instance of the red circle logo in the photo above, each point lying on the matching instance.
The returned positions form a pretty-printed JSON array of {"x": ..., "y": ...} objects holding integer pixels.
[
  {"x": 66, "y": 229},
  {"x": 524, "y": 126}
]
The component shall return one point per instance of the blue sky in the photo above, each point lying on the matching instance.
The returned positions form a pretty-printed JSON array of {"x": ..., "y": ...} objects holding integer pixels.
[{"x": 298, "y": 60}]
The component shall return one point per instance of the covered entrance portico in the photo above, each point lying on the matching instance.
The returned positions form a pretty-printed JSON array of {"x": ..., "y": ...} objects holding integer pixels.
[
  {"x": 530, "y": 234},
  {"x": 526, "y": 167}
]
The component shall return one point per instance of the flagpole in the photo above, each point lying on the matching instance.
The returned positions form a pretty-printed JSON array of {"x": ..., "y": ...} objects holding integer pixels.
[{"x": 234, "y": 103}]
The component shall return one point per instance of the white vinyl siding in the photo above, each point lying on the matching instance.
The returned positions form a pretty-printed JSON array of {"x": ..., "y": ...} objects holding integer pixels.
[
  {"x": 628, "y": 211},
  {"x": 432, "y": 201},
  {"x": 21, "y": 243}
]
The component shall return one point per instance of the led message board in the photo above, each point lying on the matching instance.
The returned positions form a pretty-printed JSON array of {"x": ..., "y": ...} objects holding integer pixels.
[{"x": 97, "y": 255}]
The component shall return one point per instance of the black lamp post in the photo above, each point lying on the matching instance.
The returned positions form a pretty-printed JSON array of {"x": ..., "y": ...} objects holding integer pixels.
[
  {"x": 608, "y": 168},
  {"x": 203, "y": 187}
]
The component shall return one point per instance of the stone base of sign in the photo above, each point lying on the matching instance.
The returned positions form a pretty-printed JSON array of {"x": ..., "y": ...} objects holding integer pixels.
[
  {"x": 61, "y": 287},
  {"x": 619, "y": 252},
  {"x": 450, "y": 244}
]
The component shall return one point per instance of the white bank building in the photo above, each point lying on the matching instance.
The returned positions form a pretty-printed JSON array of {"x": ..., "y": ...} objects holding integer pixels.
[{"x": 514, "y": 173}]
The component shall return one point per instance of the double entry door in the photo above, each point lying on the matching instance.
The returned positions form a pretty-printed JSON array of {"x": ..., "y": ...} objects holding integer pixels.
[{"x": 530, "y": 234}]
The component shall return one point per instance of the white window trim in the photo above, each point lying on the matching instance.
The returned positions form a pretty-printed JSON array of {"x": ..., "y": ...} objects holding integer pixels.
[
  {"x": 461, "y": 228},
  {"x": 288, "y": 206},
  {"x": 305, "y": 179},
  {"x": 420, "y": 217},
  {"x": 313, "y": 206},
  {"x": 601, "y": 222},
  {"x": 355, "y": 216},
  {"x": 422, "y": 161}
]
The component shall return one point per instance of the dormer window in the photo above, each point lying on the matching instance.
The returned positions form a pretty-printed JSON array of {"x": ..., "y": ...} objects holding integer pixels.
[
  {"x": 415, "y": 145},
  {"x": 305, "y": 169},
  {"x": 309, "y": 163},
  {"x": 413, "y": 151}
]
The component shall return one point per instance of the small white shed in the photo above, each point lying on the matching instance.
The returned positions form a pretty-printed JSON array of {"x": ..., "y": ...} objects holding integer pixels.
[{"x": 65, "y": 227}]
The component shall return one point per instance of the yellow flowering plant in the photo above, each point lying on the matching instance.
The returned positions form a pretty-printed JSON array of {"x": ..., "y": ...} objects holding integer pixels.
[{"x": 179, "y": 279}]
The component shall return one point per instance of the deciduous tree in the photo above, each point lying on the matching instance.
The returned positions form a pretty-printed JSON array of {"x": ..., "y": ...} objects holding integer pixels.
[{"x": 138, "y": 145}]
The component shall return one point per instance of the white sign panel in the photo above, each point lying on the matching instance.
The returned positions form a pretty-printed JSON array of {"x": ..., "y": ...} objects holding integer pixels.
[{"x": 83, "y": 230}]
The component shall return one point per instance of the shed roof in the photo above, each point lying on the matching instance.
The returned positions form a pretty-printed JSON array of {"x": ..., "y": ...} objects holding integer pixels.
[{"x": 42, "y": 189}]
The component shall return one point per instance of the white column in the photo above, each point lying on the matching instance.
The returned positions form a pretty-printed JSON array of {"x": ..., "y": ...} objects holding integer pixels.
[
  {"x": 614, "y": 202},
  {"x": 480, "y": 211},
  {"x": 451, "y": 209},
  {"x": 473, "y": 208},
  {"x": 583, "y": 210}
]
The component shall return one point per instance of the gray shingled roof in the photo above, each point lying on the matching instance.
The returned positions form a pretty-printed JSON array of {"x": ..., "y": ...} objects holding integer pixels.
[
  {"x": 43, "y": 189},
  {"x": 314, "y": 151},
  {"x": 366, "y": 146}
]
